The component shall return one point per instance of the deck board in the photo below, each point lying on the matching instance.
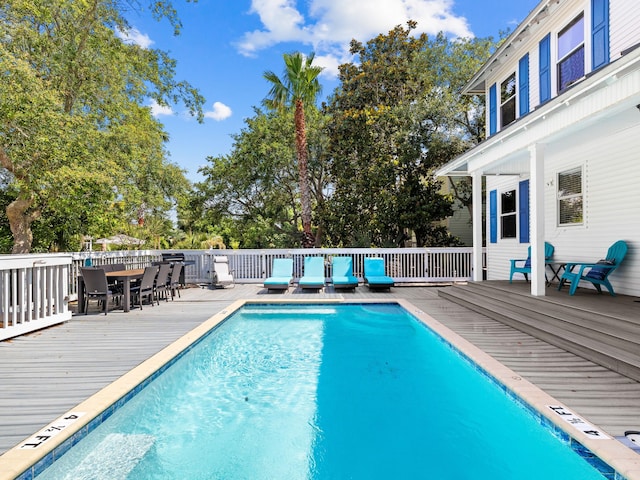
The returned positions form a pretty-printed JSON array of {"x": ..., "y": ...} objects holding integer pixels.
[{"x": 46, "y": 373}]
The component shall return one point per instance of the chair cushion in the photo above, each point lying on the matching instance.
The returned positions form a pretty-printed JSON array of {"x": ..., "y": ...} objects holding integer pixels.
[
  {"x": 344, "y": 280},
  {"x": 599, "y": 273},
  {"x": 277, "y": 281},
  {"x": 527, "y": 263},
  {"x": 311, "y": 282},
  {"x": 380, "y": 280}
]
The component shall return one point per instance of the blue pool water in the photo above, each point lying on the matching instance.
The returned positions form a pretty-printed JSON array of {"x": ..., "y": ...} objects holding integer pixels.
[{"x": 321, "y": 392}]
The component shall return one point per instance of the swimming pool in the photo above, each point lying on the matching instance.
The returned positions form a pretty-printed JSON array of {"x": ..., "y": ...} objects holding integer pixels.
[{"x": 323, "y": 391}]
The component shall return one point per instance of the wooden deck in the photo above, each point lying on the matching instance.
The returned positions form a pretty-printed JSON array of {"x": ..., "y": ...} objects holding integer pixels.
[{"x": 47, "y": 373}]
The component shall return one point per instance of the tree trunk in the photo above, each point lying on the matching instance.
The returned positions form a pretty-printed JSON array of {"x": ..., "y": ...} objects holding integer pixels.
[
  {"x": 308, "y": 240},
  {"x": 20, "y": 223}
]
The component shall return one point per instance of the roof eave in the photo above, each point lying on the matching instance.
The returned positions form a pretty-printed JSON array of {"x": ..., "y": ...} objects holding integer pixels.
[{"x": 477, "y": 84}]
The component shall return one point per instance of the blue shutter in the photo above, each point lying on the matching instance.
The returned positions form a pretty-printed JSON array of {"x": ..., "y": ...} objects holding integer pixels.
[
  {"x": 493, "y": 216},
  {"x": 599, "y": 33},
  {"x": 523, "y": 211},
  {"x": 523, "y": 81},
  {"x": 493, "y": 109},
  {"x": 545, "y": 68}
]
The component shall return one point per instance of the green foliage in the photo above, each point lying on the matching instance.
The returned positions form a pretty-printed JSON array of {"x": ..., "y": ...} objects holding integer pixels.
[
  {"x": 397, "y": 116},
  {"x": 79, "y": 151},
  {"x": 251, "y": 195},
  {"x": 299, "y": 82}
]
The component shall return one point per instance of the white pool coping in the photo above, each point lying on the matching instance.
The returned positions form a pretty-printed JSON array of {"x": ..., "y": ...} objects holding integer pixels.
[{"x": 22, "y": 458}]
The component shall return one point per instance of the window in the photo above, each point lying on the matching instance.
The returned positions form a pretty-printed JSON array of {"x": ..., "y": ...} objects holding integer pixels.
[
  {"x": 508, "y": 100},
  {"x": 571, "y": 53},
  {"x": 570, "y": 209},
  {"x": 508, "y": 214}
]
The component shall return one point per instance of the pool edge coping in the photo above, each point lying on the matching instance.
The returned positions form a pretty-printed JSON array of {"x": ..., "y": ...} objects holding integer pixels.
[{"x": 17, "y": 462}]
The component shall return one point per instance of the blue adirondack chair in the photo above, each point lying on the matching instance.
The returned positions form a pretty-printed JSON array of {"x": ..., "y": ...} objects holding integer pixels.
[
  {"x": 524, "y": 265},
  {"x": 596, "y": 273}
]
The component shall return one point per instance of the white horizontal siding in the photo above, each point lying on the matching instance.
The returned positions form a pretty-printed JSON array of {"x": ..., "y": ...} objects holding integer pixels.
[
  {"x": 624, "y": 19},
  {"x": 612, "y": 199}
]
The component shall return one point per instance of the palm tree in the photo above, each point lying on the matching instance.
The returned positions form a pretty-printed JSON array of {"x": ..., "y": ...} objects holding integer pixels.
[{"x": 298, "y": 87}]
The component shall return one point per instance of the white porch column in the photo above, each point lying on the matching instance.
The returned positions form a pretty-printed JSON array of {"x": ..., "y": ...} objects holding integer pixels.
[
  {"x": 536, "y": 218},
  {"x": 477, "y": 226}
]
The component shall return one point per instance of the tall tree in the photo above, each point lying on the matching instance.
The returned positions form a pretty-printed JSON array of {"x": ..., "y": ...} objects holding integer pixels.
[
  {"x": 74, "y": 132},
  {"x": 396, "y": 116},
  {"x": 298, "y": 88}
]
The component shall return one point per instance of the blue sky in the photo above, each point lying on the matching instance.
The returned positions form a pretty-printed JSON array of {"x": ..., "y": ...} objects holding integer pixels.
[{"x": 226, "y": 45}]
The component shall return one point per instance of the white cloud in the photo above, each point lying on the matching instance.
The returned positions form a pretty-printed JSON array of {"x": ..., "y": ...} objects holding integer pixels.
[
  {"x": 220, "y": 112},
  {"x": 158, "y": 110},
  {"x": 331, "y": 24},
  {"x": 135, "y": 37},
  {"x": 330, "y": 63}
]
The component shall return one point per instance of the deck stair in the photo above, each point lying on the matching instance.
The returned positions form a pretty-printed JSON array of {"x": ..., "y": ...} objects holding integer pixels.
[{"x": 588, "y": 325}]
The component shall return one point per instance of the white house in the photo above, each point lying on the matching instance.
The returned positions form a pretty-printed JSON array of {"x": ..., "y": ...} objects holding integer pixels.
[{"x": 562, "y": 153}]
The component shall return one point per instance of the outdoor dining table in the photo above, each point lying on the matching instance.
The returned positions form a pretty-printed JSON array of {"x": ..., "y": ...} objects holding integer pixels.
[{"x": 125, "y": 276}]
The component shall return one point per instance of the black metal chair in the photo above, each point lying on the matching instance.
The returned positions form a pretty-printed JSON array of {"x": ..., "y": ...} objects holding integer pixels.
[
  {"x": 96, "y": 288},
  {"x": 145, "y": 288}
]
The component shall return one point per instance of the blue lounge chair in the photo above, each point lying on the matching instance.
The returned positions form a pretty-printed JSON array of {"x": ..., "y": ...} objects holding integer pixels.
[
  {"x": 596, "y": 273},
  {"x": 524, "y": 265},
  {"x": 281, "y": 274},
  {"x": 342, "y": 273},
  {"x": 374, "y": 275},
  {"x": 313, "y": 277}
]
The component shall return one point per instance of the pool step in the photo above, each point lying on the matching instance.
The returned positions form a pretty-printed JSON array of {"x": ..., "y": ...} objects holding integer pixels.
[
  {"x": 114, "y": 457},
  {"x": 602, "y": 337}
]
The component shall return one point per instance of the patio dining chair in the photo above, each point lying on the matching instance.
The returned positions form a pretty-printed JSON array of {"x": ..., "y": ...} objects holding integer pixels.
[
  {"x": 96, "y": 288},
  {"x": 161, "y": 284},
  {"x": 174, "y": 279},
  {"x": 596, "y": 273},
  {"x": 145, "y": 288}
]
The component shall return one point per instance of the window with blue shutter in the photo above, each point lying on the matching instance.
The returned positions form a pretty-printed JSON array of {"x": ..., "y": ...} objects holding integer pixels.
[
  {"x": 523, "y": 84},
  {"x": 523, "y": 210},
  {"x": 493, "y": 216},
  {"x": 493, "y": 109},
  {"x": 545, "y": 68},
  {"x": 599, "y": 33}
]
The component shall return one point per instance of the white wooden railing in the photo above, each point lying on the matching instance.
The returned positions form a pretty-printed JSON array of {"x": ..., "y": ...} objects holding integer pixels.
[
  {"x": 405, "y": 265},
  {"x": 34, "y": 292},
  {"x": 35, "y": 289}
]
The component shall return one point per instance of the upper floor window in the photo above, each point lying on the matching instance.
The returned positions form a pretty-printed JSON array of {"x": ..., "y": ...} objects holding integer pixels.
[
  {"x": 571, "y": 53},
  {"x": 508, "y": 100},
  {"x": 508, "y": 214},
  {"x": 570, "y": 208}
]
